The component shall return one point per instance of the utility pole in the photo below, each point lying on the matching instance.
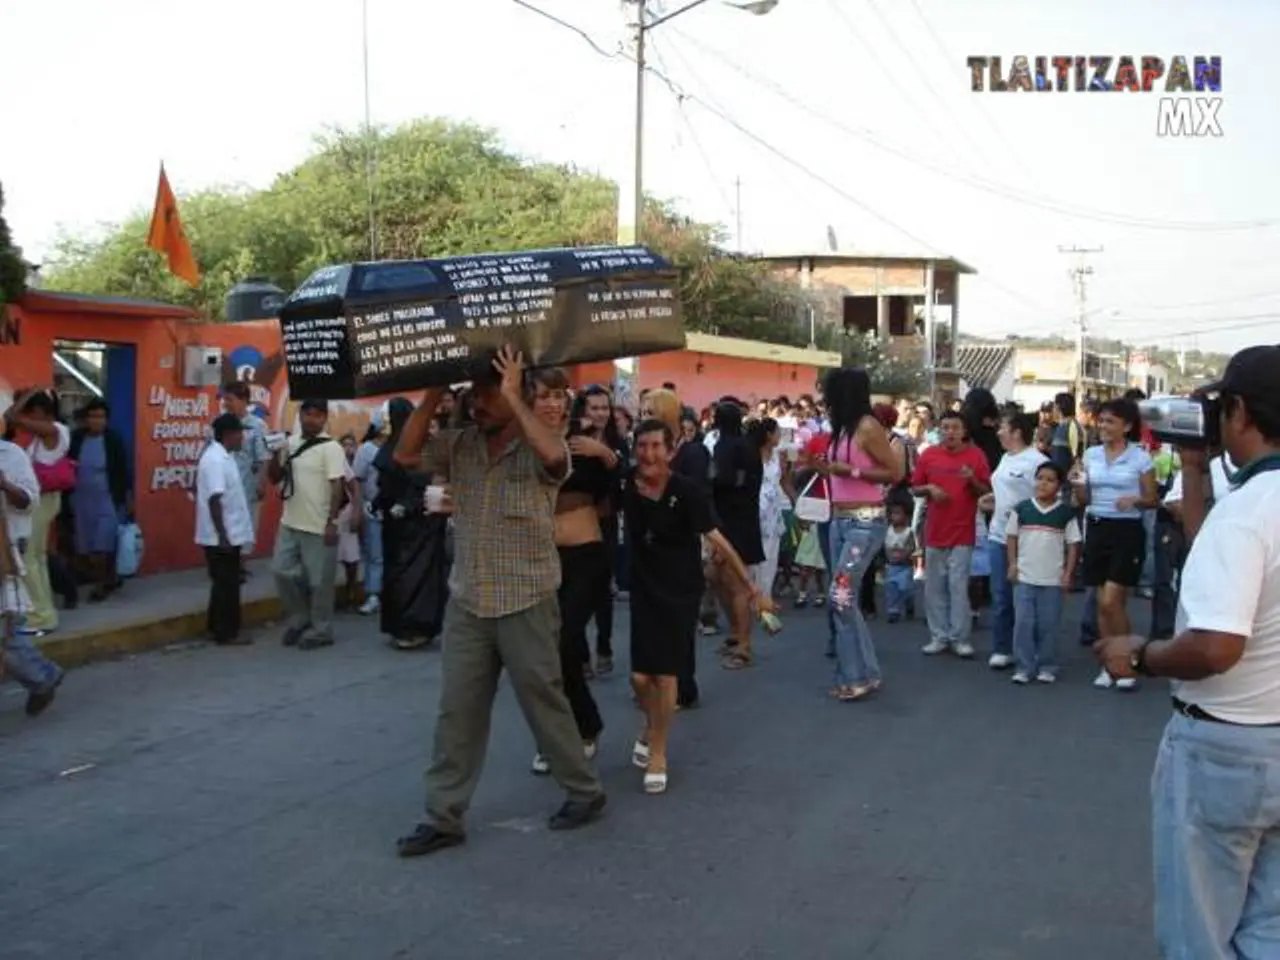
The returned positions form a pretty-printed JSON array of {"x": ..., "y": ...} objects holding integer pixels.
[
  {"x": 370, "y": 157},
  {"x": 1079, "y": 274},
  {"x": 737, "y": 207}
]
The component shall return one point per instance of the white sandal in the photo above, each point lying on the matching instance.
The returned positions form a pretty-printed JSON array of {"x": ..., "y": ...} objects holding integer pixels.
[
  {"x": 655, "y": 783},
  {"x": 640, "y": 755}
]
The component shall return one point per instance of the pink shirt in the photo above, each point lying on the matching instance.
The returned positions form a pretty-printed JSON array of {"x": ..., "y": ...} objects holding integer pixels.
[{"x": 851, "y": 489}]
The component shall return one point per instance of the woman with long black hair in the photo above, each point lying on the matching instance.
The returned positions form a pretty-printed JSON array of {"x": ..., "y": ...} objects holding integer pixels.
[
  {"x": 737, "y": 472},
  {"x": 860, "y": 463},
  {"x": 415, "y": 556},
  {"x": 592, "y": 416}
]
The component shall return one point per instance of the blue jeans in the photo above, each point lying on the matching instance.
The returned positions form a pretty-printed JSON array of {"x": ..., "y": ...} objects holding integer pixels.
[
  {"x": 1148, "y": 578},
  {"x": 1001, "y": 599},
  {"x": 854, "y": 544},
  {"x": 824, "y": 541},
  {"x": 1035, "y": 635},
  {"x": 1216, "y": 831},
  {"x": 36, "y": 672},
  {"x": 1090, "y": 633},
  {"x": 899, "y": 589},
  {"x": 372, "y": 537}
]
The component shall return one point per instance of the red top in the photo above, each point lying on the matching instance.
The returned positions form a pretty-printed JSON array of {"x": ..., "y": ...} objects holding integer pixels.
[
  {"x": 1148, "y": 439},
  {"x": 818, "y": 447},
  {"x": 951, "y": 522}
]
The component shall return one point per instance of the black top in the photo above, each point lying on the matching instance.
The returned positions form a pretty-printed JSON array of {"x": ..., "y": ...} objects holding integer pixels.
[
  {"x": 692, "y": 461},
  {"x": 736, "y": 480},
  {"x": 666, "y": 544},
  {"x": 589, "y": 475}
]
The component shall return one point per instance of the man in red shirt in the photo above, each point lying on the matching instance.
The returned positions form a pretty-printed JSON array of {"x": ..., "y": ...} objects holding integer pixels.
[{"x": 952, "y": 474}]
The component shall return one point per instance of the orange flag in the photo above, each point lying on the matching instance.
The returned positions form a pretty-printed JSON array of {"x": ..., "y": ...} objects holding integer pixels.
[{"x": 168, "y": 237}]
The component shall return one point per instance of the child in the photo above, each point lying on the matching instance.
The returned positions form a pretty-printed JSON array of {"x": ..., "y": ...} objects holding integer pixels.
[
  {"x": 899, "y": 576},
  {"x": 812, "y": 563},
  {"x": 1043, "y": 546}
]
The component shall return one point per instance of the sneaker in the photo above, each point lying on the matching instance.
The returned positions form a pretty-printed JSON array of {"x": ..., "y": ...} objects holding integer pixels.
[
  {"x": 371, "y": 605},
  {"x": 590, "y": 748},
  {"x": 708, "y": 630},
  {"x": 1127, "y": 684},
  {"x": 964, "y": 651},
  {"x": 801, "y": 601},
  {"x": 1000, "y": 661},
  {"x": 1103, "y": 681},
  {"x": 1046, "y": 676},
  {"x": 1020, "y": 678},
  {"x": 933, "y": 647},
  {"x": 918, "y": 576},
  {"x": 540, "y": 767}
]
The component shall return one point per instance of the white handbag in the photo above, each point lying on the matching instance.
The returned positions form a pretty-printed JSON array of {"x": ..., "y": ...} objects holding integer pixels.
[{"x": 813, "y": 509}]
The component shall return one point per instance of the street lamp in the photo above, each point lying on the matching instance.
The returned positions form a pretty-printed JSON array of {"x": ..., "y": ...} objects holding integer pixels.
[{"x": 629, "y": 226}]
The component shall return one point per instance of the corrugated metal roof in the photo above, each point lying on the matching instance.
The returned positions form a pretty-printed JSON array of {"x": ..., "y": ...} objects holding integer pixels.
[{"x": 980, "y": 364}]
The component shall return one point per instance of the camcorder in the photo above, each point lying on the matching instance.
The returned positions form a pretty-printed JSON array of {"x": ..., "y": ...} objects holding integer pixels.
[{"x": 1192, "y": 422}]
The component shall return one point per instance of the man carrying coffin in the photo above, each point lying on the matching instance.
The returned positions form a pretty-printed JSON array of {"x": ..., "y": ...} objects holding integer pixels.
[{"x": 503, "y": 474}]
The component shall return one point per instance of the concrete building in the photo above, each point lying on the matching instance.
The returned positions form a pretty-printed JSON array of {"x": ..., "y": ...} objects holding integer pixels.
[
  {"x": 911, "y": 301},
  {"x": 1032, "y": 375},
  {"x": 1148, "y": 375}
]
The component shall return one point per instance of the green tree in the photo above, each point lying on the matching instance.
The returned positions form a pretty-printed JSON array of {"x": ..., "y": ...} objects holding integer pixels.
[
  {"x": 442, "y": 189},
  {"x": 13, "y": 269}
]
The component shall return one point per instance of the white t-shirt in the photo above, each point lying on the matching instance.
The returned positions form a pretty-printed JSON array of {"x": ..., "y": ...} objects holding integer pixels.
[
  {"x": 1043, "y": 533},
  {"x": 51, "y": 455},
  {"x": 17, "y": 469},
  {"x": 218, "y": 474},
  {"x": 1217, "y": 475},
  {"x": 1013, "y": 481},
  {"x": 1231, "y": 584}
]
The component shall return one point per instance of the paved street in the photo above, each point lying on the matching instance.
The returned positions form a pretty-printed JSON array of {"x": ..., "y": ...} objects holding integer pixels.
[{"x": 243, "y": 803}]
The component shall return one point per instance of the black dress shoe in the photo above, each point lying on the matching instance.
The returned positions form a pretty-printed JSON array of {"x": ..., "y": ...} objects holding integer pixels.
[
  {"x": 428, "y": 838},
  {"x": 239, "y": 640},
  {"x": 577, "y": 813},
  {"x": 291, "y": 637}
]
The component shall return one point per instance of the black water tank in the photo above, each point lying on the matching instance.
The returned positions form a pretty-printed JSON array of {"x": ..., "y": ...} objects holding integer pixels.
[{"x": 254, "y": 298}]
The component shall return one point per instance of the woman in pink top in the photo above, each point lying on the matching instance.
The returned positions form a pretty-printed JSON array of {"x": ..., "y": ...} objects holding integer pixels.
[{"x": 860, "y": 463}]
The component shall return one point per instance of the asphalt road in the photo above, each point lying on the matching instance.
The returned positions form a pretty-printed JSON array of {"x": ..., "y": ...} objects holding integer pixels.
[{"x": 243, "y": 803}]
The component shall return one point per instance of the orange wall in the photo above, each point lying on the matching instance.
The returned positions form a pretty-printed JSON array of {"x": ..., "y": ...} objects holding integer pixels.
[{"x": 748, "y": 380}]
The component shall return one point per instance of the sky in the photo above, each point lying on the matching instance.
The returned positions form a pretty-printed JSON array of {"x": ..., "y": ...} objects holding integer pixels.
[{"x": 851, "y": 114}]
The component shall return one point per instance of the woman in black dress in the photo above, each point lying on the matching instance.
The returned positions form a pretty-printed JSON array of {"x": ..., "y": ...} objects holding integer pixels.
[
  {"x": 668, "y": 517},
  {"x": 736, "y": 474},
  {"x": 415, "y": 578}
]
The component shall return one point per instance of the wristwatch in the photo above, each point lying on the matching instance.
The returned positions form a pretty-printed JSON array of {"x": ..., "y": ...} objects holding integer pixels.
[{"x": 1138, "y": 659}]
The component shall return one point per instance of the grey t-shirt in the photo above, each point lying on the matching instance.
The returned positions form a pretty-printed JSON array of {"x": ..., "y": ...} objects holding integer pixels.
[{"x": 252, "y": 455}]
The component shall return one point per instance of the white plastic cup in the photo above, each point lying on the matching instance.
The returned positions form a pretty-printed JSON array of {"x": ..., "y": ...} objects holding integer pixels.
[{"x": 434, "y": 499}]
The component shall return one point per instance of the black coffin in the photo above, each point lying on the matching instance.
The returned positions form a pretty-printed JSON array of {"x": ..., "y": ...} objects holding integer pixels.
[{"x": 368, "y": 329}]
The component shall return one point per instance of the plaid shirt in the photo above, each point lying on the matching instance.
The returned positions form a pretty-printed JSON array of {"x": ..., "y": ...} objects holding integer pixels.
[{"x": 505, "y": 558}]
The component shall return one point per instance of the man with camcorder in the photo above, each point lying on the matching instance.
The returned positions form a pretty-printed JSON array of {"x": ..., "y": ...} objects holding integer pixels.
[{"x": 1216, "y": 787}]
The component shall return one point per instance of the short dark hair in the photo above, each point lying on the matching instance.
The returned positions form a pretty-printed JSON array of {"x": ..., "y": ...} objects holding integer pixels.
[
  {"x": 1134, "y": 394},
  {"x": 668, "y": 385},
  {"x": 322, "y": 406},
  {"x": 1056, "y": 469},
  {"x": 1065, "y": 403},
  {"x": 1126, "y": 411},
  {"x": 951, "y": 415},
  {"x": 226, "y": 423},
  {"x": 653, "y": 425},
  {"x": 552, "y": 378},
  {"x": 94, "y": 405},
  {"x": 41, "y": 401},
  {"x": 237, "y": 388}
]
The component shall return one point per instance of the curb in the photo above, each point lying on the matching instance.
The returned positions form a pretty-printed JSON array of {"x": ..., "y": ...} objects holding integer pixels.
[{"x": 140, "y": 636}]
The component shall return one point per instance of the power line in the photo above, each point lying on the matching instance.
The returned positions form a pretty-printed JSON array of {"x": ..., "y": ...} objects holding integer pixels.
[
  {"x": 764, "y": 144},
  {"x": 616, "y": 54},
  {"x": 947, "y": 110},
  {"x": 944, "y": 51},
  {"x": 979, "y": 183},
  {"x": 693, "y": 135}
]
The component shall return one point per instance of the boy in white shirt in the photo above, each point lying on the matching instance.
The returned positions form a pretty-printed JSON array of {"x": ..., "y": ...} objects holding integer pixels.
[{"x": 1043, "y": 543}]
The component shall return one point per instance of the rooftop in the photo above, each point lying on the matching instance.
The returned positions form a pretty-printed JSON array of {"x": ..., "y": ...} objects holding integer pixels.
[
  {"x": 866, "y": 256},
  {"x": 48, "y": 301}
]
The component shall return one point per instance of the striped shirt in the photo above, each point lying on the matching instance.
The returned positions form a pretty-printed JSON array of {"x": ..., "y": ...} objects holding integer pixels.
[{"x": 1043, "y": 535}]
